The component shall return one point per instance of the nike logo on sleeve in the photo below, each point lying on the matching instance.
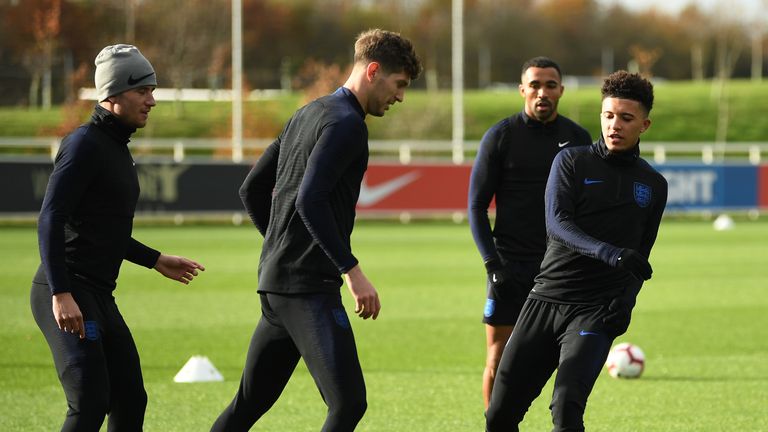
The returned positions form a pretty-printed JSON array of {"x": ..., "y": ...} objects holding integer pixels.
[
  {"x": 589, "y": 181},
  {"x": 563, "y": 144},
  {"x": 587, "y": 333}
]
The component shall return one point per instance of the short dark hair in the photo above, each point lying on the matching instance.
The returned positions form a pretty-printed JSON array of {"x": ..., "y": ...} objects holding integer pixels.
[
  {"x": 394, "y": 52},
  {"x": 624, "y": 85},
  {"x": 541, "y": 62}
]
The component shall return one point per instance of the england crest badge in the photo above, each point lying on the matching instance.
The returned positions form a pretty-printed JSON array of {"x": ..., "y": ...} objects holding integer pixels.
[{"x": 642, "y": 194}]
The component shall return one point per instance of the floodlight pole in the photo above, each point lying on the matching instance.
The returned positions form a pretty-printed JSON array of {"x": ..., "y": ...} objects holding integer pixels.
[
  {"x": 237, "y": 81},
  {"x": 130, "y": 21},
  {"x": 457, "y": 73}
]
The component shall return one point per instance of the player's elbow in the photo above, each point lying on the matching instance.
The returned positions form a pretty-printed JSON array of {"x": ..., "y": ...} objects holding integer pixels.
[
  {"x": 47, "y": 220},
  {"x": 302, "y": 204},
  {"x": 245, "y": 191},
  {"x": 307, "y": 200}
]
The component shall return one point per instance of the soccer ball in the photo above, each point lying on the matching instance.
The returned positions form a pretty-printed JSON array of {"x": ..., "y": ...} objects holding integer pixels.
[{"x": 625, "y": 361}]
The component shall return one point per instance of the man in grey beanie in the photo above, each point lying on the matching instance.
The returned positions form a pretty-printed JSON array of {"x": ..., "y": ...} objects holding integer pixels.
[
  {"x": 84, "y": 234},
  {"x": 122, "y": 67}
]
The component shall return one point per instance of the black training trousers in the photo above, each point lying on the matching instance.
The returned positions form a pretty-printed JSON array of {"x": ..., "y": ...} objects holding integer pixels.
[
  {"x": 100, "y": 374},
  {"x": 314, "y": 327},
  {"x": 549, "y": 336}
]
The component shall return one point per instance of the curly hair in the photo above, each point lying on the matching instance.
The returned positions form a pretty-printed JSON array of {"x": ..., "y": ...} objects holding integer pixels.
[
  {"x": 624, "y": 85},
  {"x": 541, "y": 62},
  {"x": 392, "y": 51}
]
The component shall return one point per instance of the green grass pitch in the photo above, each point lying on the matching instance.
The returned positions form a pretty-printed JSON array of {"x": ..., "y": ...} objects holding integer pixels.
[{"x": 702, "y": 322}]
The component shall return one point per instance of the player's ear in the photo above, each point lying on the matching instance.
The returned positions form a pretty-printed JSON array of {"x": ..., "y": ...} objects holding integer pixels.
[
  {"x": 646, "y": 125},
  {"x": 371, "y": 70}
]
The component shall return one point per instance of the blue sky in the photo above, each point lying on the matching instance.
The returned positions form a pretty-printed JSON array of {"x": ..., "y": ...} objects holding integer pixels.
[{"x": 741, "y": 9}]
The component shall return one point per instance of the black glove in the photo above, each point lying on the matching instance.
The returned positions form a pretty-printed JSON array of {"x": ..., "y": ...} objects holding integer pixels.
[
  {"x": 497, "y": 275},
  {"x": 636, "y": 264},
  {"x": 616, "y": 321}
]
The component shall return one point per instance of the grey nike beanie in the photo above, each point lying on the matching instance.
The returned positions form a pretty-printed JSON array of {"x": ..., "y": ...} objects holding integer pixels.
[{"x": 119, "y": 68}]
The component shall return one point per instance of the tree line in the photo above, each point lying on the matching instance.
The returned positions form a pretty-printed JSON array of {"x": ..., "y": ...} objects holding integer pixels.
[{"x": 47, "y": 47}]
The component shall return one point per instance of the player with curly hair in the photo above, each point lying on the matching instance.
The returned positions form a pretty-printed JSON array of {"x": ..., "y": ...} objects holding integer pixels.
[{"x": 603, "y": 207}]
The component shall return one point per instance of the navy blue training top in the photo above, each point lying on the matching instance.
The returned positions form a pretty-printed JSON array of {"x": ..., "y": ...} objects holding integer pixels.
[
  {"x": 513, "y": 163},
  {"x": 301, "y": 195},
  {"x": 85, "y": 223},
  {"x": 597, "y": 203}
]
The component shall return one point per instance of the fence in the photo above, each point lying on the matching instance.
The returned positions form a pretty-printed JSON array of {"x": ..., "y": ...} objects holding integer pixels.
[
  {"x": 190, "y": 178},
  {"x": 402, "y": 151}
]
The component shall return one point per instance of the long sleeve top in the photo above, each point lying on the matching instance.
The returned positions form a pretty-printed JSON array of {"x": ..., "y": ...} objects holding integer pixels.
[
  {"x": 86, "y": 220},
  {"x": 512, "y": 164},
  {"x": 597, "y": 203},
  {"x": 301, "y": 195}
]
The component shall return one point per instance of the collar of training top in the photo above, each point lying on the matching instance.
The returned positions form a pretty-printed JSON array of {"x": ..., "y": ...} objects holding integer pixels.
[
  {"x": 343, "y": 91},
  {"x": 622, "y": 158},
  {"x": 104, "y": 118},
  {"x": 534, "y": 123}
]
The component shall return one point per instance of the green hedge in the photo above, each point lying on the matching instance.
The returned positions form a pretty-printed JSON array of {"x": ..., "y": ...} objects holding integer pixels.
[{"x": 684, "y": 111}]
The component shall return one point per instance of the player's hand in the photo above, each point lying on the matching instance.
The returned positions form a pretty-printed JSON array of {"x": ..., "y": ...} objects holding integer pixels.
[
  {"x": 367, "y": 304},
  {"x": 497, "y": 274},
  {"x": 616, "y": 321},
  {"x": 178, "y": 268},
  {"x": 67, "y": 314},
  {"x": 636, "y": 264}
]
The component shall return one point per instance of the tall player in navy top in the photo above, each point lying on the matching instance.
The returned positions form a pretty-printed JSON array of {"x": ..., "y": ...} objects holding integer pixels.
[
  {"x": 603, "y": 208},
  {"x": 512, "y": 164},
  {"x": 301, "y": 195}
]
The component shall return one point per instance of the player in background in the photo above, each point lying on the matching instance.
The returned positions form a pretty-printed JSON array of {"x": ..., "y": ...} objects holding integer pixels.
[
  {"x": 603, "y": 208},
  {"x": 512, "y": 164},
  {"x": 301, "y": 195},
  {"x": 84, "y": 233}
]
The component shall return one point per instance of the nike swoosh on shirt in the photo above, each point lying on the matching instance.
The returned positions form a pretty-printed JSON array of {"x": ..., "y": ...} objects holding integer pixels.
[
  {"x": 563, "y": 144},
  {"x": 371, "y": 195},
  {"x": 586, "y": 333},
  {"x": 592, "y": 181},
  {"x": 132, "y": 81}
]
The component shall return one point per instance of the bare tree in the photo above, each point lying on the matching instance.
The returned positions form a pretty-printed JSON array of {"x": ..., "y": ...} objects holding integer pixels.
[
  {"x": 46, "y": 19},
  {"x": 730, "y": 41},
  {"x": 188, "y": 40}
]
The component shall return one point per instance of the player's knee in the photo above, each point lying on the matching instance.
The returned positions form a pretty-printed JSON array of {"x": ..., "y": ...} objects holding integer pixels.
[
  {"x": 86, "y": 396},
  {"x": 499, "y": 421},
  {"x": 557, "y": 428},
  {"x": 88, "y": 408},
  {"x": 348, "y": 411},
  {"x": 567, "y": 412},
  {"x": 129, "y": 404},
  {"x": 567, "y": 423},
  {"x": 356, "y": 409},
  {"x": 140, "y": 399}
]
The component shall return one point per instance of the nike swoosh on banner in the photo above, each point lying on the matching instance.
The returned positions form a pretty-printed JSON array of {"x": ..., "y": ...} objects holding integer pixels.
[
  {"x": 371, "y": 195},
  {"x": 563, "y": 144},
  {"x": 132, "y": 81}
]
